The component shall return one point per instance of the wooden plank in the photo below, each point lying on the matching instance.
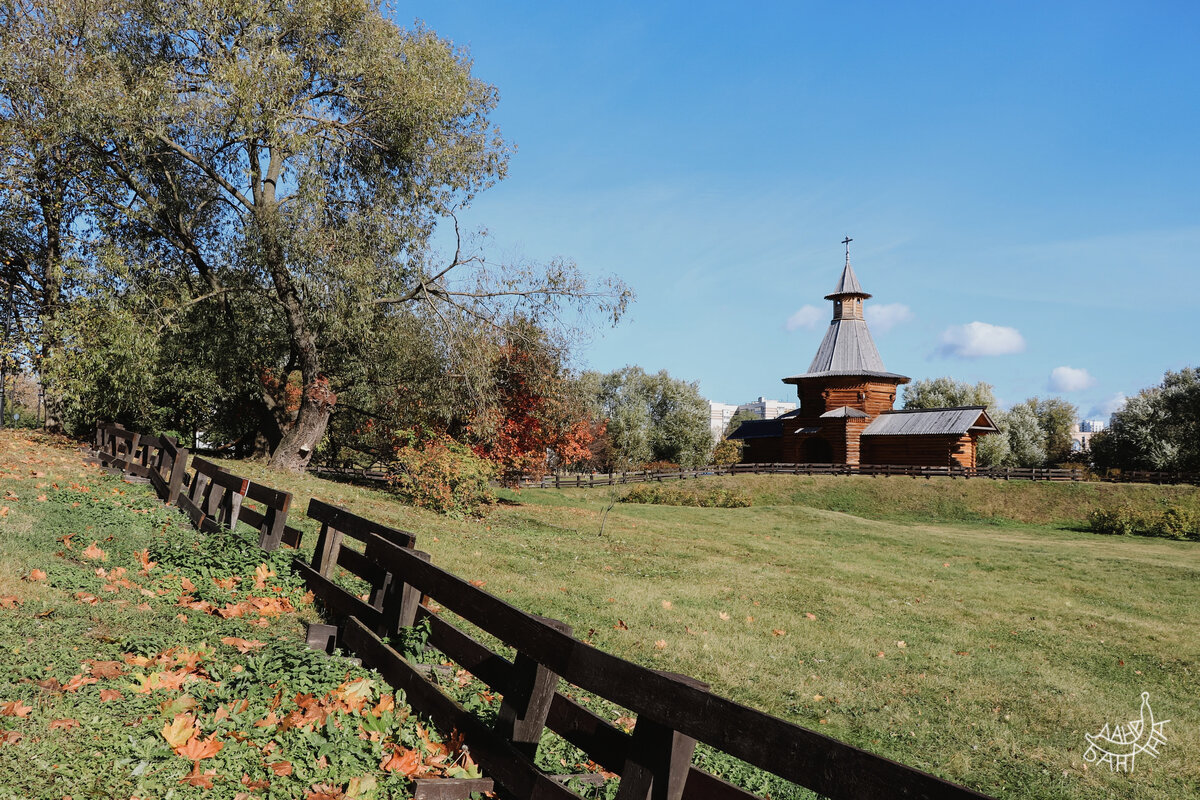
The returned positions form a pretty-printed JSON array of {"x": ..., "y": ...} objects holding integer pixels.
[
  {"x": 604, "y": 742},
  {"x": 805, "y": 757},
  {"x": 522, "y": 717},
  {"x": 292, "y": 536},
  {"x": 703, "y": 786},
  {"x": 450, "y": 788},
  {"x": 658, "y": 763},
  {"x": 500, "y": 760},
  {"x": 357, "y": 527},
  {"x": 335, "y": 598},
  {"x": 492, "y": 668}
]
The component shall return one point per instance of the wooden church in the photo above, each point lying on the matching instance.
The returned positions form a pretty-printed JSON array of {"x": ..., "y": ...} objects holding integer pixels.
[{"x": 846, "y": 397}]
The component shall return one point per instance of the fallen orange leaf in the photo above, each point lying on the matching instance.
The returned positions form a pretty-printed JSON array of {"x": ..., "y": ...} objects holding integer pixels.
[
  {"x": 196, "y": 750},
  {"x": 64, "y": 724},
  {"x": 93, "y": 551},
  {"x": 196, "y": 778},
  {"x": 401, "y": 759},
  {"x": 281, "y": 767},
  {"x": 108, "y": 695},
  {"x": 36, "y": 575},
  {"x": 16, "y": 708},
  {"x": 242, "y": 645}
]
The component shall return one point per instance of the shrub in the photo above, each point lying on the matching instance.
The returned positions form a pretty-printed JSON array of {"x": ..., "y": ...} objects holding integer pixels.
[
  {"x": 438, "y": 473},
  {"x": 1119, "y": 520},
  {"x": 1175, "y": 523},
  {"x": 727, "y": 451},
  {"x": 712, "y": 497}
]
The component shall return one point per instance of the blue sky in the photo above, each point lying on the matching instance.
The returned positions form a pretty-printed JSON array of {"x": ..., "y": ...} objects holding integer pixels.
[{"x": 1021, "y": 180}]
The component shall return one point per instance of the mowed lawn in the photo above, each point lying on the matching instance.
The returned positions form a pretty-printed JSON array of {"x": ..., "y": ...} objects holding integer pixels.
[{"x": 980, "y": 651}]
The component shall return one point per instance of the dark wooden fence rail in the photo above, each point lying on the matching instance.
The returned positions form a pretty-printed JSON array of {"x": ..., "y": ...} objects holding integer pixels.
[{"x": 674, "y": 712}]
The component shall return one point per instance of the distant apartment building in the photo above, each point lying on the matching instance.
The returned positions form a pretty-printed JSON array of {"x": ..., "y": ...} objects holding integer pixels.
[
  {"x": 721, "y": 413},
  {"x": 767, "y": 409},
  {"x": 1083, "y": 431}
]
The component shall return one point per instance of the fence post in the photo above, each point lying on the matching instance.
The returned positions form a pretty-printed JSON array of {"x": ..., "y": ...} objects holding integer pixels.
[
  {"x": 526, "y": 704},
  {"x": 659, "y": 758},
  {"x": 401, "y": 600}
]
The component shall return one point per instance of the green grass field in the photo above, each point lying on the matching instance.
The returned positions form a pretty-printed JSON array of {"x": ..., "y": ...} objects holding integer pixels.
[{"x": 971, "y": 629}]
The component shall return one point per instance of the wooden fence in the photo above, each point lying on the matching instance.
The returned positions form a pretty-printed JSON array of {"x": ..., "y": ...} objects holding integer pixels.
[
  {"x": 582, "y": 479},
  {"x": 568, "y": 480},
  {"x": 673, "y": 712}
]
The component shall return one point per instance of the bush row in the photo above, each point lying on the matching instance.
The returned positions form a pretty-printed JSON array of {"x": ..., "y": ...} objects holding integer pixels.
[
  {"x": 676, "y": 495},
  {"x": 1123, "y": 520}
]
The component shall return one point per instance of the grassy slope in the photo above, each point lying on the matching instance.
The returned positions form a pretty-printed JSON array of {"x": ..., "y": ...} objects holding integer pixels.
[
  {"x": 1019, "y": 633},
  {"x": 69, "y": 727}
]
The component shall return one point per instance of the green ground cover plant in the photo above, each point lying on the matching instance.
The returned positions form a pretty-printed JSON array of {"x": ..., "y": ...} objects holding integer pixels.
[{"x": 142, "y": 659}]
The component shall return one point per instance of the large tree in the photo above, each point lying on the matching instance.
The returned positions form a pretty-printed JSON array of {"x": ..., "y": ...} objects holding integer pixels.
[
  {"x": 1156, "y": 429},
  {"x": 649, "y": 418},
  {"x": 41, "y": 192},
  {"x": 294, "y": 158}
]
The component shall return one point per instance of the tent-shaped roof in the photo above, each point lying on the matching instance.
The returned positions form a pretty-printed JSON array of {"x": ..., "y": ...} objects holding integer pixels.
[
  {"x": 847, "y": 285},
  {"x": 932, "y": 422},
  {"x": 847, "y": 349}
]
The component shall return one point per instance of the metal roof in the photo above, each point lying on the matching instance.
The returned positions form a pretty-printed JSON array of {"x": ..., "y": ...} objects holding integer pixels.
[
  {"x": 844, "y": 411},
  {"x": 758, "y": 429},
  {"x": 847, "y": 349},
  {"x": 931, "y": 421},
  {"x": 847, "y": 284}
]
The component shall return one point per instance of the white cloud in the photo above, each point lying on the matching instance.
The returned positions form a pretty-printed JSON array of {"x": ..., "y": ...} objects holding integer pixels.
[
  {"x": 1106, "y": 409},
  {"x": 1070, "y": 379},
  {"x": 885, "y": 316},
  {"x": 981, "y": 339},
  {"x": 806, "y": 317}
]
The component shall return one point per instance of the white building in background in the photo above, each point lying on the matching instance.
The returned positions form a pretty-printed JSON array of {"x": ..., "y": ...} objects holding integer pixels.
[
  {"x": 767, "y": 409},
  {"x": 721, "y": 413},
  {"x": 1083, "y": 431}
]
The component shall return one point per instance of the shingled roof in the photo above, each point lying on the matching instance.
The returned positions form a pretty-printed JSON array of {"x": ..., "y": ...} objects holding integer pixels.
[
  {"x": 847, "y": 285},
  {"x": 758, "y": 429},
  {"x": 932, "y": 422}
]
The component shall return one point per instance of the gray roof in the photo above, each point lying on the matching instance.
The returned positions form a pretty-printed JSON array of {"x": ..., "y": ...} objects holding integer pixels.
[
  {"x": 847, "y": 284},
  {"x": 931, "y": 421},
  {"x": 847, "y": 349},
  {"x": 758, "y": 429},
  {"x": 844, "y": 411}
]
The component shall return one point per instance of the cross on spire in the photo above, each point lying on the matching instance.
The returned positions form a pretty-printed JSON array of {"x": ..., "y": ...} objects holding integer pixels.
[{"x": 847, "y": 242}]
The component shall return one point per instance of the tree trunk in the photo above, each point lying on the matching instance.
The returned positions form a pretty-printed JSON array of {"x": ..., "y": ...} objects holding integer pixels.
[{"x": 295, "y": 449}]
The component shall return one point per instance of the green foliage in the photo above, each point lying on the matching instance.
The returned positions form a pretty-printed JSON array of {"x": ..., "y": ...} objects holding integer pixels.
[
  {"x": 1117, "y": 520},
  {"x": 650, "y": 418},
  {"x": 663, "y": 494},
  {"x": 220, "y": 555},
  {"x": 435, "y": 472},
  {"x": 1026, "y": 441},
  {"x": 1174, "y": 522},
  {"x": 1157, "y": 429},
  {"x": 946, "y": 392}
]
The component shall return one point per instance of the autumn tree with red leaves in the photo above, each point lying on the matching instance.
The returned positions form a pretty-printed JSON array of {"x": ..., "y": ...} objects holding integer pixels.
[{"x": 535, "y": 416}]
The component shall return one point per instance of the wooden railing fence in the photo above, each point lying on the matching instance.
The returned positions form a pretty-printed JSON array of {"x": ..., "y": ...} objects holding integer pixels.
[
  {"x": 575, "y": 480},
  {"x": 674, "y": 712}
]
